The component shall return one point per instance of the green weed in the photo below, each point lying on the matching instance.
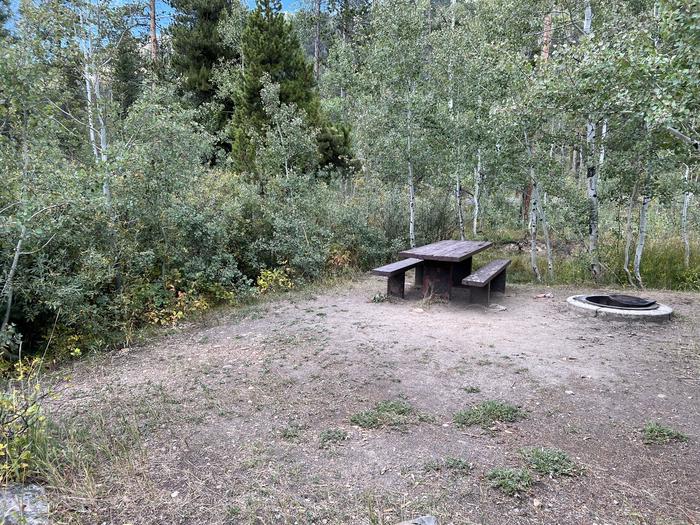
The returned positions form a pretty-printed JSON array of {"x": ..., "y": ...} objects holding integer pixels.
[
  {"x": 510, "y": 481},
  {"x": 331, "y": 436},
  {"x": 550, "y": 462},
  {"x": 657, "y": 434},
  {"x": 454, "y": 465},
  {"x": 386, "y": 413},
  {"x": 487, "y": 413}
]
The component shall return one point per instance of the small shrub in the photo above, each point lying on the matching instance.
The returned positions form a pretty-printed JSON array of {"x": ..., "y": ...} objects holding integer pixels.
[
  {"x": 379, "y": 298},
  {"x": 366, "y": 419},
  {"x": 274, "y": 280},
  {"x": 23, "y": 429},
  {"x": 510, "y": 481},
  {"x": 455, "y": 465},
  {"x": 656, "y": 434},
  {"x": 386, "y": 413},
  {"x": 487, "y": 413},
  {"x": 292, "y": 432},
  {"x": 332, "y": 436},
  {"x": 550, "y": 462},
  {"x": 397, "y": 407}
]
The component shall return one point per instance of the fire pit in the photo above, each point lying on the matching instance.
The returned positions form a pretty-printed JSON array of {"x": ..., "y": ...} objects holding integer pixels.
[{"x": 624, "y": 307}]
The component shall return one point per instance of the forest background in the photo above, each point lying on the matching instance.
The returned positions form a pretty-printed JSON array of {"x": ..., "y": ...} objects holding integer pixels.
[{"x": 161, "y": 159}]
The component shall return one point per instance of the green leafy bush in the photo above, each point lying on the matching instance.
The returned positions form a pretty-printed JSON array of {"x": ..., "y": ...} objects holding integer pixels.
[{"x": 510, "y": 481}]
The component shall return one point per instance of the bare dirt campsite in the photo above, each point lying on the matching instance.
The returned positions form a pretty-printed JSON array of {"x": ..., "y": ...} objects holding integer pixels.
[{"x": 329, "y": 408}]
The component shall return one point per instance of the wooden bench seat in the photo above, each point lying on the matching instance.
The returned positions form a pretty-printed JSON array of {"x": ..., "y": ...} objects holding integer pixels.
[
  {"x": 491, "y": 276},
  {"x": 396, "y": 272}
]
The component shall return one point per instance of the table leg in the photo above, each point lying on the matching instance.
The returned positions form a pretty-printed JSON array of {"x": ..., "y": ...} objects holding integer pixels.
[
  {"x": 419, "y": 276},
  {"x": 480, "y": 295},
  {"x": 395, "y": 285},
  {"x": 460, "y": 270},
  {"x": 437, "y": 279}
]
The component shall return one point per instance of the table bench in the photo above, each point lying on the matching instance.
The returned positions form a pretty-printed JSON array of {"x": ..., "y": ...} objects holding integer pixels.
[
  {"x": 396, "y": 273},
  {"x": 491, "y": 276}
]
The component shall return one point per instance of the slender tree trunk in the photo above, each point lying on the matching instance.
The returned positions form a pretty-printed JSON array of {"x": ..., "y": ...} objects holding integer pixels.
[
  {"x": 477, "y": 192},
  {"x": 411, "y": 183},
  {"x": 455, "y": 148},
  {"x": 684, "y": 219},
  {"x": 628, "y": 234},
  {"x": 317, "y": 40},
  {"x": 154, "y": 36},
  {"x": 592, "y": 191},
  {"x": 643, "y": 215},
  {"x": 411, "y": 205},
  {"x": 587, "y": 17},
  {"x": 532, "y": 218},
  {"x": 545, "y": 229},
  {"x": 458, "y": 204},
  {"x": 591, "y": 170}
]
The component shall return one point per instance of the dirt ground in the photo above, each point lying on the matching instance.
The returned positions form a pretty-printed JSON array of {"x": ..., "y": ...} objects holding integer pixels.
[{"x": 220, "y": 423}]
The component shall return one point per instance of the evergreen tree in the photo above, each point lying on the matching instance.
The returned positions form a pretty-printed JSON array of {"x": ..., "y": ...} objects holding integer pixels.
[
  {"x": 4, "y": 17},
  {"x": 197, "y": 44},
  {"x": 270, "y": 46},
  {"x": 128, "y": 73}
]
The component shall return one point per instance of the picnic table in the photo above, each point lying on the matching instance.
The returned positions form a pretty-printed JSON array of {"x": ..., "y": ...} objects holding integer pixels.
[{"x": 445, "y": 264}]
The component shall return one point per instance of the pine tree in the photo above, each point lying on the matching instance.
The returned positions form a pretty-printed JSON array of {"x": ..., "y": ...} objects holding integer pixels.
[
  {"x": 4, "y": 17},
  {"x": 197, "y": 44},
  {"x": 269, "y": 45},
  {"x": 128, "y": 73}
]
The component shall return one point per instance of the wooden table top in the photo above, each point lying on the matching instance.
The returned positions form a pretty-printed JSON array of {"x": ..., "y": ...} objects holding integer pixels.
[{"x": 447, "y": 251}]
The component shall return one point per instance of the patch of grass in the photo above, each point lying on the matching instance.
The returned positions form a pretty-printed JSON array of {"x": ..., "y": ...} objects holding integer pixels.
[
  {"x": 550, "y": 462},
  {"x": 292, "y": 432},
  {"x": 510, "y": 481},
  {"x": 397, "y": 407},
  {"x": 332, "y": 436},
  {"x": 366, "y": 419},
  {"x": 472, "y": 389},
  {"x": 484, "y": 362},
  {"x": 394, "y": 412},
  {"x": 454, "y": 465},
  {"x": 487, "y": 413},
  {"x": 657, "y": 434}
]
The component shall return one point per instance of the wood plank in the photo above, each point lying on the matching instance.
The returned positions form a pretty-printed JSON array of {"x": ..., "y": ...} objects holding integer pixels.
[
  {"x": 447, "y": 251},
  {"x": 486, "y": 273},
  {"x": 397, "y": 267}
]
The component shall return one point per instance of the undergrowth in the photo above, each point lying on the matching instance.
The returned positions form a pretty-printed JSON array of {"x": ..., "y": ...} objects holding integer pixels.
[
  {"x": 657, "y": 434},
  {"x": 487, "y": 413}
]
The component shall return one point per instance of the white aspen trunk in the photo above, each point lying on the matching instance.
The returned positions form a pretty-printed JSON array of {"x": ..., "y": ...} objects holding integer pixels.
[
  {"x": 592, "y": 192},
  {"x": 411, "y": 205},
  {"x": 684, "y": 219},
  {"x": 533, "y": 239},
  {"x": 646, "y": 199},
  {"x": 587, "y": 18},
  {"x": 317, "y": 40},
  {"x": 545, "y": 228},
  {"x": 458, "y": 204},
  {"x": 87, "y": 52},
  {"x": 477, "y": 192},
  {"x": 601, "y": 151},
  {"x": 591, "y": 170},
  {"x": 154, "y": 36},
  {"x": 628, "y": 235},
  {"x": 532, "y": 216},
  {"x": 411, "y": 180},
  {"x": 455, "y": 148}
]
